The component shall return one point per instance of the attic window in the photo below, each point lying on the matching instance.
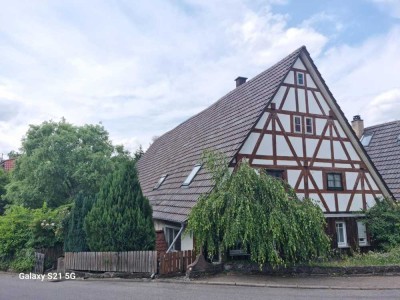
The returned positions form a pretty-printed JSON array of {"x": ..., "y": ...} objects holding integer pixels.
[
  {"x": 300, "y": 78},
  {"x": 366, "y": 139},
  {"x": 160, "y": 181},
  {"x": 192, "y": 174}
]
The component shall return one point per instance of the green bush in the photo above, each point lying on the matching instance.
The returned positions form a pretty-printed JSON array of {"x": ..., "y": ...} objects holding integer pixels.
[
  {"x": 383, "y": 221},
  {"x": 22, "y": 230}
]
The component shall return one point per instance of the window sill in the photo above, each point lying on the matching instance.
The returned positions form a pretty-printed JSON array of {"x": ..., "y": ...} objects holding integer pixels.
[{"x": 343, "y": 246}]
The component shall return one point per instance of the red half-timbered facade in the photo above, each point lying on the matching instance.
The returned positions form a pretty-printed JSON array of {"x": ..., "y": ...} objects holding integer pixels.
[{"x": 286, "y": 122}]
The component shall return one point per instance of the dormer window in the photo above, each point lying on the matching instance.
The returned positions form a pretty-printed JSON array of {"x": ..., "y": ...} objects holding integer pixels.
[
  {"x": 160, "y": 181},
  {"x": 192, "y": 174},
  {"x": 366, "y": 139},
  {"x": 300, "y": 78}
]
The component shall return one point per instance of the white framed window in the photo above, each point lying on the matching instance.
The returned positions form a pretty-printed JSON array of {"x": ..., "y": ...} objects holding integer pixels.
[
  {"x": 160, "y": 181},
  {"x": 297, "y": 124},
  {"x": 192, "y": 174},
  {"x": 309, "y": 125},
  {"x": 362, "y": 233},
  {"x": 341, "y": 234},
  {"x": 170, "y": 234},
  {"x": 300, "y": 78}
]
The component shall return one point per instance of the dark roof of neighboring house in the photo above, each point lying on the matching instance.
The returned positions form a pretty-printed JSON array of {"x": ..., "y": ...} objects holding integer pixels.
[
  {"x": 223, "y": 127},
  {"x": 384, "y": 150}
]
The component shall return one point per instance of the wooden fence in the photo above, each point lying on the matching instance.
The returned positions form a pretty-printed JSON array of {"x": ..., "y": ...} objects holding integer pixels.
[
  {"x": 128, "y": 261},
  {"x": 176, "y": 262},
  {"x": 39, "y": 263}
]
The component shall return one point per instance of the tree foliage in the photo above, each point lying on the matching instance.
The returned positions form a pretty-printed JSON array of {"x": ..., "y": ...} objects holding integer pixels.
[
  {"x": 4, "y": 180},
  {"x": 383, "y": 222},
  {"x": 257, "y": 211},
  {"x": 121, "y": 217},
  {"x": 58, "y": 160},
  {"x": 75, "y": 237}
]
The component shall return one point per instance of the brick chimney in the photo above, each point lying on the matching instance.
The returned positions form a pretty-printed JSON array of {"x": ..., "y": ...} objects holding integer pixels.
[
  {"x": 240, "y": 81},
  {"x": 358, "y": 125}
]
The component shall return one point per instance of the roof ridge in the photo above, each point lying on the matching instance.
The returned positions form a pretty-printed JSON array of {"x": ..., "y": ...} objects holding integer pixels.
[{"x": 382, "y": 124}]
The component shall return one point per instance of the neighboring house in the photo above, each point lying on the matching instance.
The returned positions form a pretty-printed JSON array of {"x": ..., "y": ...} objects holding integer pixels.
[
  {"x": 382, "y": 143},
  {"x": 8, "y": 164},
  {"x": 286, "y": 122}
]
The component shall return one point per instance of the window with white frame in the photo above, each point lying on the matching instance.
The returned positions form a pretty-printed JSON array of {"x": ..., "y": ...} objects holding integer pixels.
[
  {"x": 362, "y": 233},
  {"x": 297, "y": 124},
  {"x": 309, "y": 125},
  {"x": 170, "y": 234},
  {"x": 192, "y": 174},
  {"x": 341, "y": 234},
  {"x": 300, "y": 78}
]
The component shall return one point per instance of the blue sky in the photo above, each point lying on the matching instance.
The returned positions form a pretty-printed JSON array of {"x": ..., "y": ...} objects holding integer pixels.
[{"x": 143, "y": 67}]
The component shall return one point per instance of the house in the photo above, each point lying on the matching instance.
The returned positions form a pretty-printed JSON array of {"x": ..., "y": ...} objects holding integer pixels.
[
  {"x": 7, "y": 164},
  {"x": 382, "y": 143},
  {"x": 286, "y": 122}
]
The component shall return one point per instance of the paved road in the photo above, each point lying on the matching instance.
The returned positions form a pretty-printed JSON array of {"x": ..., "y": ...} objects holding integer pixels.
[{"x": 12, "y": 288}]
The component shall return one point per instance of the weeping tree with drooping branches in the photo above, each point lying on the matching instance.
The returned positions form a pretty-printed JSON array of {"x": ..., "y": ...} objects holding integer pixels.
[{"x": 259, "y": 212}]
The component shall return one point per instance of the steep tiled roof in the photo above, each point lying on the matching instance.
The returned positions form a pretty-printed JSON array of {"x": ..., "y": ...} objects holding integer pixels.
[
  {"x": 223, "y": 126},
  {"x": 384, "y": 150}
]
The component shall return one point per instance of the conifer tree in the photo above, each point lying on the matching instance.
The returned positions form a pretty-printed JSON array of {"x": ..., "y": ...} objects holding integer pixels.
[
  {"x": 121, "y": 217},
  {"x": 75, "y": 239}
]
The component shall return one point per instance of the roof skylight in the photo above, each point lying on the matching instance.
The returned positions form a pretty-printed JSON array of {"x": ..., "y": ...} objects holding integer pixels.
[
  {"x": 192, "y": 174},
  {"x": 160, "y": 181},
  {"x": 366, "y": 139}
]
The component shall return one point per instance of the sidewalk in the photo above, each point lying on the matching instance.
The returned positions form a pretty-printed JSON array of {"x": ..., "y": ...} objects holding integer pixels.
[{"x": 312, "y": 282}]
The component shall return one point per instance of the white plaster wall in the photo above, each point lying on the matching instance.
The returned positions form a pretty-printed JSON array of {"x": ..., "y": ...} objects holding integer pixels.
[
  {"x": 320, "y": 125},
  {"x": 301, "y": 97},
  {"x": 347, "y": 166},
  {"x": 339, "y": 128},
  {"x": 351, "y": 179},
  {"x": 265, "y": 162},
  {"x": 370, "y": 200},
  {"x": 330, "y": 201},
  {"x": 289, "y": 78},
  {"x": 311, "y": 145},
  {"x": 287, "y": 163},
  {"x": 299, "y": 65},
  {"x": 282, "y": 147},
  {"x": 261, "y": 122},
  {"x": 343, "y": 201},
  {"x": 371, "y": 181},
  {"x": 338, "y": 150},
  {"x": 290, "y": 102},
  {"x": 317, "y": 175},
  {"x": 293, "y": 175},
  {"x": 285, "y": 120},
  {"x": 297, "y": 144},
  {"x": 310, "y": 82},
  {"x": 323, "y": 103},
  {"x": 351, "y": 151},
  {"x": 265, "y": 145},
  {"x": 250, "y": 143},
  {"x": 322, "y": 164},
  {"x": 312, "y": 104},
  {"x": 356, "y": 205},
  {"x": 279, "y": 95},
  {"x": 324, "y": 150}
]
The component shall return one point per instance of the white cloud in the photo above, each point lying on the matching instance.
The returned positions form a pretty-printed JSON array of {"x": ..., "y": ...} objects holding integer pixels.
[{"x": 390, "y": 6}]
